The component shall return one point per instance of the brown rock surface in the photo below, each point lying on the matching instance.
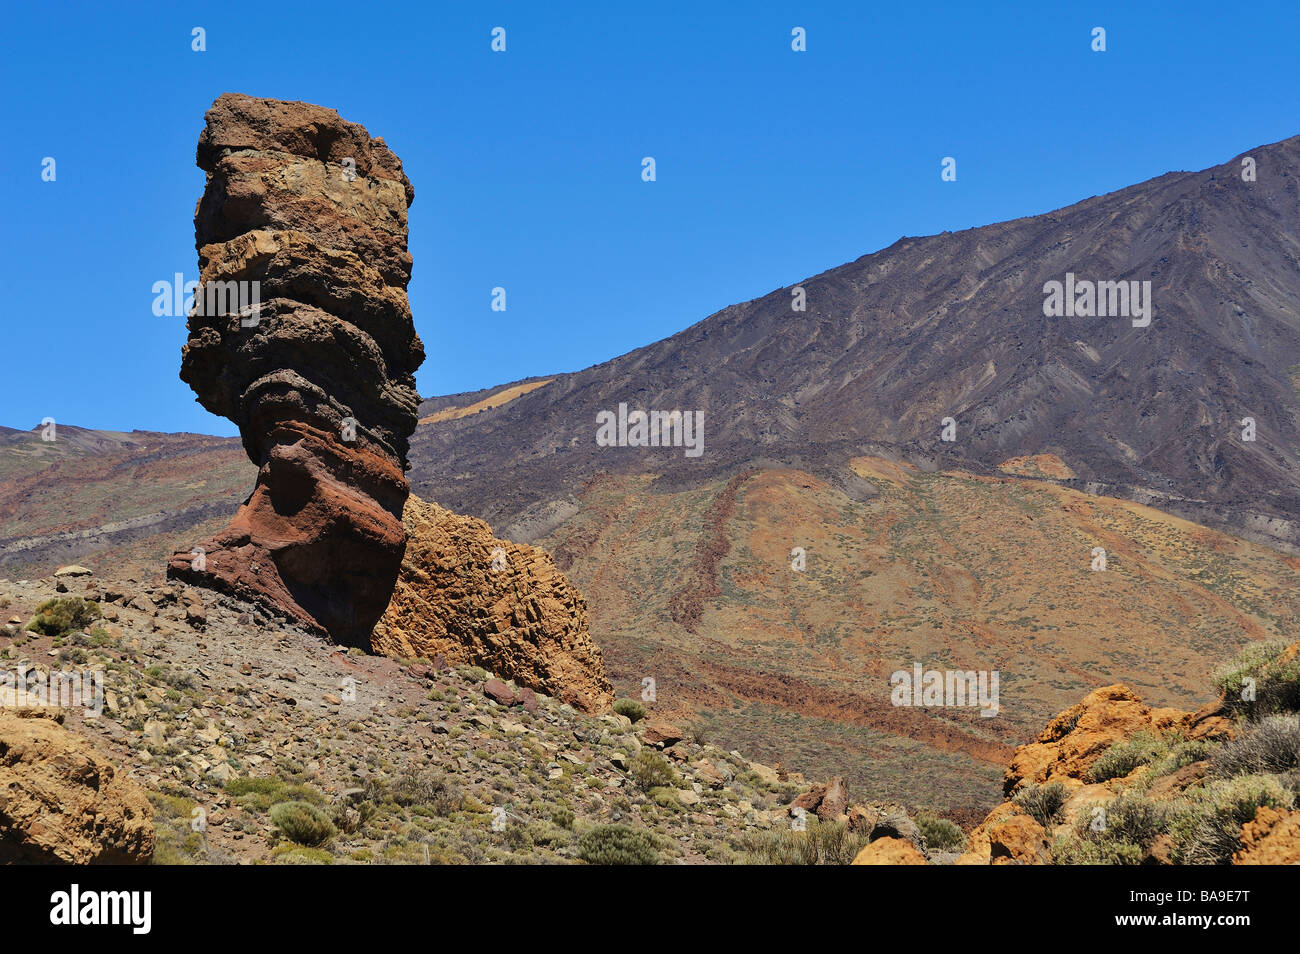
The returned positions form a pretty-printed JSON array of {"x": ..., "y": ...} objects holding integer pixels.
[
  {"x": 1077, "y": 737},
  {"x": 63, "y": 802},
  {"x": 320, "y": 376},
  {"x": 1272, "y": 838},
  {"x": 835, "y": 801},
  {"x": 889, "y": 851},
  {"x": 522, "y": 620},
  {"x": 1007, "y": 834}
]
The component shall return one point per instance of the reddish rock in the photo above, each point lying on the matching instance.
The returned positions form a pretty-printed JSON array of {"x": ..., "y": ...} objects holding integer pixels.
[
  {"x": 810, "y": 799},
  {"x": 320, "y": 379},
  {"x": 1080, "y": 735},
  {"x": 659, "y": 733},
  {"x": 528, "y": 699},
  {"x": 498, "y": 690},
  {"x": 835, "y": 802},
  {"x": 860, "y": 819}
]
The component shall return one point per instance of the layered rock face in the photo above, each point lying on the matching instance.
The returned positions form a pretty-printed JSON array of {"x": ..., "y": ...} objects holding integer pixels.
[
  {"x": 472, "y": 598},
  {"x": 315, "y": 363}
]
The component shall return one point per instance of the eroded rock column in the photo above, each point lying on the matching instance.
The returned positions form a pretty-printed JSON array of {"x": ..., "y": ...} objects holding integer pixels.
[{"x": 302, "y": 336}]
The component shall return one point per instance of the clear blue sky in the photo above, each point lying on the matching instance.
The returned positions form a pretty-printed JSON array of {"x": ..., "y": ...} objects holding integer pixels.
[{"x": 772, "y": 165}]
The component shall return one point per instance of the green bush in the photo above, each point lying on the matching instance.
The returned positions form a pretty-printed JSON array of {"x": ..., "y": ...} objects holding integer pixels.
[
  {"x": 303, "y": 823},
  {"x": 940, "y": 834},
  {"x": 617, "y": 845},
  {"x": 1120, "y": 835},
  {"x": 1182, "y": 754},
  {"x": 651, "y": 770},
  {"x": 1270, "y": 746},
  {"x": 1122, "y": 758},
  {"x": 261, "y": 794},
  {"x": 62, "y": 615},
  {"x": 1277, "y": 680},
  {"x": 1042, "y": 802},
  {"x": 630, "y": 708},
  {"x": 562, "y": 815}
]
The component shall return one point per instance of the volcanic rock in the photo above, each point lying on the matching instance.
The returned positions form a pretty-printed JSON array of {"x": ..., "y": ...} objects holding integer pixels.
[
  {"x": 63, "y": 802},
  {"x": 889, "y": 851},
  {"x": 1080, "y": 735},
  {"x": 1271, "y": 838},
  {"x": 473, "y": 598},
  {"x": 301, "y": 334}
]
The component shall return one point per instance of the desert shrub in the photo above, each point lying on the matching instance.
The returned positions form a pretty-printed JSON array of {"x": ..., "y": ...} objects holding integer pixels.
[
  {"x": 288, "y": 853},
  {"x": 630, "y": 708},
  {"x": 1120, "y": 759},
  {"x": 940, "y": 834},
  {"x": 261, "y": 794},
  {"x": 617, "y": 845},
  {"x": 1270, "y": 746},
  {"x": 665, "y": 798},
  {"x": 63, "y": 614},
  {"x": 1042, "y": 802},
  {"x": 430, "y": 787},
  {"x": 1119, "y": 834},
  {"x": 823, "y": 843},
  {"x": 562, "y": 815},
  {"x": 651, "y": 770},
  {"x": 1212, "y": 832},
  {"x": 303, "y": 823},
  {"x": 1291, "y": 782},
  {"x": 1182, "y": 754},
  {"x": 1085, "y": 851},
  {"x": 1277, "y": 680}
]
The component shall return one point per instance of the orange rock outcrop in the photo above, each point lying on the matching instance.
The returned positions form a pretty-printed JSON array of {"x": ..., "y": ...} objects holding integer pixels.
[{"x": 473, "y": 598}]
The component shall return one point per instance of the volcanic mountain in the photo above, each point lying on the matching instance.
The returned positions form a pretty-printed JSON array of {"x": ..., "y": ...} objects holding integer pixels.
[
  {"x": 953, "y": 326},
  {"x": 829, "y": 536}
]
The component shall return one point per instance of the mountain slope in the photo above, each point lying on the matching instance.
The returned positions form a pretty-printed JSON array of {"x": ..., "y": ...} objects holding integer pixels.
[{"x": 954, "y": 325}]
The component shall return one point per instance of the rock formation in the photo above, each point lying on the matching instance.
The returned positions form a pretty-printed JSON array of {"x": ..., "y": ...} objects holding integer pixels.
[
  {"x": 63, "y": 802},
  {"x": 1064, "y": 752},
  {"x": 475, "y": 599},
  {"x": 302, "y": 335},
  {"x": 1076, "y": 738}
]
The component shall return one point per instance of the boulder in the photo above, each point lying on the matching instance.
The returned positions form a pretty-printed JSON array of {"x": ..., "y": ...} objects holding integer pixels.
[
  {"x": 61, "y": 801},
  {"x": 660, "y": 733},
  {"x": 889, "y": 851},
  {"x": 498, "y": 690},
  {"x": 1080, "y": 735},
  {"x": 835, "y": 800}
]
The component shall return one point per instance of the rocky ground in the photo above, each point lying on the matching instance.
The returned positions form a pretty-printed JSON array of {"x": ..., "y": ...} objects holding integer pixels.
[
  {"x": 229, "y": 736},
  {"x": 221, "y": 713}
]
